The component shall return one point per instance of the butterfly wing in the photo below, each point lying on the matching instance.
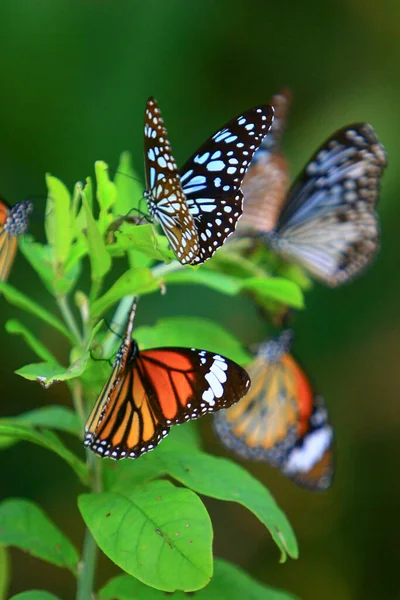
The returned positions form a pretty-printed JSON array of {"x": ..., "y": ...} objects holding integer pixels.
[
  {"x": 328, "y": 224},
  {"x": 159, "y": 388},
  {"x": 13, "y": 223},
  {"x": 164, "y": 195},
  {"x": 211, "y": 179},
  {"x": 280, "y": 421},
  {"x": 266, "y": 182}
]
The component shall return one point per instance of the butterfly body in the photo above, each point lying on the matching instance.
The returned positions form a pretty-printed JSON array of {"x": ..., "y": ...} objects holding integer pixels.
[
  {"x": 281, "y": 420},
  {"x": 199, "y": 205},
  {"x": 151, "y": 390},
  {"x": 13, "y": 223}
]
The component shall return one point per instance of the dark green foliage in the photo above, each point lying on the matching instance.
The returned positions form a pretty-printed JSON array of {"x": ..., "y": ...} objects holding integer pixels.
[{"x": 157, "y": 531}]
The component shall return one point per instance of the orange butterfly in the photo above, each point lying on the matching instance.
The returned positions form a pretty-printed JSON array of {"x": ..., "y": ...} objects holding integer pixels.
[
  {"x": 13, "y": 223},
  {"x": 281, "y": 420},
  {"x": 149, "y": 391},
  {"x": 266, "y": 183}
]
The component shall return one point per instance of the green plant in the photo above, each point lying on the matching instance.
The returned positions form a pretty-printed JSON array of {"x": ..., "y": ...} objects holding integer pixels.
[{"x": 159, "y": 533}]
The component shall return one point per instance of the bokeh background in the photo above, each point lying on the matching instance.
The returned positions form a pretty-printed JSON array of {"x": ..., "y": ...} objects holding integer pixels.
[{"x": 74, "y": 79}]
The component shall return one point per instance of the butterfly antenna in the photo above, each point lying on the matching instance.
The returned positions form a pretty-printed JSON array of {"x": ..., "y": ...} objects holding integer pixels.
[
  {"x": 118, "y": 335},
  {"x": 131, "y": 318},
  {"x": 125, "y": 174}
]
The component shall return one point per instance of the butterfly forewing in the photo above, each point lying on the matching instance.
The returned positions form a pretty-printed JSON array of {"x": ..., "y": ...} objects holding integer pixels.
[
  {"x": 165, "y": 198},
  {"x": 280, "y": 420},
  {"x": 156, "y": 389},
  {"x": 266, "y": 182},
  {"x": 328, "y": 223},
  {"x": 212, "y": 177}
]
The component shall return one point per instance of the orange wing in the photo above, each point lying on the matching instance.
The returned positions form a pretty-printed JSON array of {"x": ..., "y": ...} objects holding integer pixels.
[
  {"x": 265, "y": 184},
  {"x": 281, "y": 420},
  {"x": 13, "y": 223},
  {"x": 156, "y": 389}
]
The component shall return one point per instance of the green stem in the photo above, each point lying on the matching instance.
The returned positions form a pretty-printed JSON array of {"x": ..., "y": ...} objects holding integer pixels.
[
  {"x": 77, "y": 398},
  {"x": 87, "y": 567},
  {"x": 119, "y": 319},
  {"x": 69, "y": 318}
]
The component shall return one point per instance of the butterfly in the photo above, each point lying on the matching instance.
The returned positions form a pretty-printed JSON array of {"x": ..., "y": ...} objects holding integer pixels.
[
  {"x": 148, "y": 391},
  {"x": 266, "y": 182},
  {"x": 327, "y": 221},
  {"x": 13, "y": 223},
  {"x": 281, "y": 420},
  {"x": 198, "y": 206}
]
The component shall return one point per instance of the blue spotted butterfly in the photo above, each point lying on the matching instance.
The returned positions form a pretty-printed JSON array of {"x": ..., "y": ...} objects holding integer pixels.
[
  {"x": 327, "y": 221},
  {"x": 198, "y": 206}
]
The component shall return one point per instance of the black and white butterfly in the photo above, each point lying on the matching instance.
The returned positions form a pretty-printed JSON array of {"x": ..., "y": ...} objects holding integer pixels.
[
  {"x": 327, "y": 221},
  {"x": 198, "y": 206}
]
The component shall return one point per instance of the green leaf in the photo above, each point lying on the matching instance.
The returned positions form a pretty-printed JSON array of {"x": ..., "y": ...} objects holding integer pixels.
[
  {"x": 181, "y": 437},
  {"x": 159, "y": 533},
  {"x": 57, "y": 220},
  {"x": 41, "y": 259},
  {"x": 137, "y": 281},
  {"x": 275, "y": 288},
  {"x": 143, "y": 239},
  {"x": 234, "y": 264},
  {"x": 106, "y": 194},
  {"x": 100, "y": 260},
  {"x": 193, "y": 332},
  {"x": 17, "y": 298},
  {"x": 15, "y": 327},
  {"x": 51, "y": 417},
  {"x": 211, "y": 279},
  {"x": 25, "y": 526},
  {"x": 129, "y": 188},
  {"x": 47, "y": 373},
  {"x": 228, "y": 583},
  {"x": 46, "y": 439},
  {"x": 218, "y": 478},
  {"x": 5, "y": 569},
  {"x": 35, "y": 595}
]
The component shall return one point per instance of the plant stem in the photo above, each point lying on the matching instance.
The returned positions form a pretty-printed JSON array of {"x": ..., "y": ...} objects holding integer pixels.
[
  {"x": 163, "y": 269},
  {"x": 87, "y": 567},
  {"x": 77, "y": 398},
  {"x": 69, "y": 318}
]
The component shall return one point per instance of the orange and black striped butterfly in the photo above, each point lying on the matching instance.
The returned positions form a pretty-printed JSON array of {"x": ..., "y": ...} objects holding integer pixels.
[
  {"x": 149, "y": 391},
  {"x": 199, "y": 205},
  {"x": 13, "y": 223},
  {"x": 281, "y": 420}
]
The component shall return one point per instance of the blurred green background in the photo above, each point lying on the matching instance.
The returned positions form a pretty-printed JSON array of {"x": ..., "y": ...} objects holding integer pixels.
[{"x": 74, "y": 79}]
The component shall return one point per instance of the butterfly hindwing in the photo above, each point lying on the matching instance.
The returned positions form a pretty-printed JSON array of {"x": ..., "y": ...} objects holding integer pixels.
[
  {"x": 328, "y": 223},
  {"x": 266, "y": 182},
  {"x": 281, "y": 420},
  {"x": 156, "y": 389}
]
